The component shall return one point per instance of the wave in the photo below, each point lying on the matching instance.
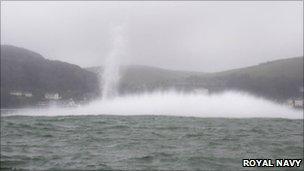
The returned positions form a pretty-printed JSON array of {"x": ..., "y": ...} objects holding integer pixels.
[{"x": 230, "y": 104}]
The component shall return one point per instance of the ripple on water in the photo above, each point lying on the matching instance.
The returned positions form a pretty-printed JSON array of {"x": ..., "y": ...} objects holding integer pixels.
[{"x": 144, "y": 142}]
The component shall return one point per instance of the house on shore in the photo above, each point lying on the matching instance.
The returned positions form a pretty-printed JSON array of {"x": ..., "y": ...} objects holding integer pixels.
[
  {"x": 28, "y": 94},
  {"x": 201, "y": 91},
  {"x": 20, "y": 94},
  {"x": 52, "y": 96},
  {"x": 297, "y": 103},
  {"x": 16, "y": 93}
]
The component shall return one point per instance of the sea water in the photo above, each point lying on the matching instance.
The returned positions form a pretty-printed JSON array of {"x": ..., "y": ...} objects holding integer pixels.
[{"x": 145, "y": 142}]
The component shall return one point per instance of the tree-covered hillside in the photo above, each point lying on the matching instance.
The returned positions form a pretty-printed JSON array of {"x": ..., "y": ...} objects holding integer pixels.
[
  {"x": 277, "y": 80},
  {"x": 27, "y": 71}
]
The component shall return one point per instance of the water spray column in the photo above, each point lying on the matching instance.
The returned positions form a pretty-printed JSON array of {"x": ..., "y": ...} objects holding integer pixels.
[{"x": 109, "y": 78}]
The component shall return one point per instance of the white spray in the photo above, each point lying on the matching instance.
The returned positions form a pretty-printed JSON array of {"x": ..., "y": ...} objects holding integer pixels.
[
  {"x": 109, "y": 78},
  {"x": 225, "y": 105},
  {"x": 228, "y": 104}
]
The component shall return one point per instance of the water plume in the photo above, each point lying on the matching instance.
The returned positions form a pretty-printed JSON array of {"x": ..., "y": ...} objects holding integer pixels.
[
  {"x": 226, "y": 105},
  {"x": 109, "y": 78}
]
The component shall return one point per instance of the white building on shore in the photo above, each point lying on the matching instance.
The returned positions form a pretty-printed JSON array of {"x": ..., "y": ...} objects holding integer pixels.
[
  {"x": 20, "y": 93},
  {"x": 16, "y": 93},
  {"x": 52, "y": 96},
  {"x": 28, "y": 94},
  {"x": 201, "y": 91},
  {"x": 295, "y": 102}
]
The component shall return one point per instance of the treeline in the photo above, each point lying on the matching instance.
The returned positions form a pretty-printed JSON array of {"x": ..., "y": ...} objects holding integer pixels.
[
  {"x": 27, "y": 71},
  {"x": 276, "y": 80}
]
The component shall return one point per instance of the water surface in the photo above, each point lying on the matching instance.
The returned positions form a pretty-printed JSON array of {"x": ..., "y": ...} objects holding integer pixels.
[{"x": 144, "y": 142}]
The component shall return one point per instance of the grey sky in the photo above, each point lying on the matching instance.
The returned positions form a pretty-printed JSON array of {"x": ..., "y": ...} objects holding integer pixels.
[{"x": 202, "y": 36}]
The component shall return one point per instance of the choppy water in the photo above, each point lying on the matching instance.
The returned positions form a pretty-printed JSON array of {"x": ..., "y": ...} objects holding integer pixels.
[{"x": 144, "y": 142}]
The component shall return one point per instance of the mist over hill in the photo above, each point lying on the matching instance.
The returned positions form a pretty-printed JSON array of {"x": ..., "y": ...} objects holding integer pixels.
[
  {"x": 276, "y": 80},
  {"x": 139, "y": 78},
  {"x": 27, "y": 71}
]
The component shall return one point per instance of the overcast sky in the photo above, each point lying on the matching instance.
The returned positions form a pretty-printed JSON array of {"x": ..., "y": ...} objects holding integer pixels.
[{"x": 200, "y": 36}]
